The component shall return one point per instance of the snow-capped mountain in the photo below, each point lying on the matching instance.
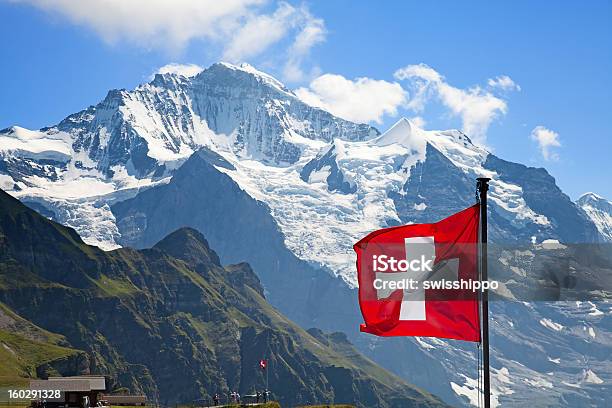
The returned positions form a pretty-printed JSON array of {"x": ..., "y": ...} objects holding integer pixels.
[
  {"x": 600, "y": 211},
  {"x": 137, "y": 138},
  {"x": 290, "y": 188},
  {"x": 145, "y": 131}
]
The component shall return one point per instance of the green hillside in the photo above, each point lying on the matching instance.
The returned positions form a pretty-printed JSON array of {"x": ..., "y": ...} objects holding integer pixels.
[
  {"x": 170, "y": 322},
  {"x": 28, "y": 351}
]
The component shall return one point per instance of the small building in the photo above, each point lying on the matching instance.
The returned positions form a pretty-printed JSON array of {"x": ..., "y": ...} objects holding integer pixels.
[{"x": 74, "y": 392}]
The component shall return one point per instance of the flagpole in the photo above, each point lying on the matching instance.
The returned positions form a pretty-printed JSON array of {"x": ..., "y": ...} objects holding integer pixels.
[{"x": 483, "y": 187}]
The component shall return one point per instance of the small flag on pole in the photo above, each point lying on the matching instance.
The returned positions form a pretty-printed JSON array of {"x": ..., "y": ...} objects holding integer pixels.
[{"x": 263, "y": 364}]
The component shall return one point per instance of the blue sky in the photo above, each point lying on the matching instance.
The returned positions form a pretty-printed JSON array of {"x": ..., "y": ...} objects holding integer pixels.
[{"x": 58, "y": 60}]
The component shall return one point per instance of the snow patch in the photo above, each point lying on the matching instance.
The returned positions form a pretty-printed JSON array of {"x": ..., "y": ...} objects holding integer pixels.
[
  {"x": 320, "y": 176},
  {"x": 591, "y": 378},
  {"x": 424, "y": 344},
  {"x": 35, "y": 144},
  {"x": 420, "y": 207},
  {"x": 551, "y": 325},
  {"x": 594, "y": 311},
  {"x": 538, "y": 382}
]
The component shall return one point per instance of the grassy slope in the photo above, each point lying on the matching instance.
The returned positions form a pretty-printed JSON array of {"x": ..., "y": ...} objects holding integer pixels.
[
  {"x": 20, "y": 356},
  {"x": 25, "y": 346}
]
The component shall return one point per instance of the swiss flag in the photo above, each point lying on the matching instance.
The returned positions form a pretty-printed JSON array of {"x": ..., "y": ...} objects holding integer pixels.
[
  {"x": 449, "y": 248},
  {"x": 263, "y": 364}
]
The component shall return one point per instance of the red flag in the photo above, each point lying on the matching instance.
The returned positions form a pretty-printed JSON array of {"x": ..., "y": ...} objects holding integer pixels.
[
  {"x": 263, "y": 364},
  {"x": 428, "y": 255}
]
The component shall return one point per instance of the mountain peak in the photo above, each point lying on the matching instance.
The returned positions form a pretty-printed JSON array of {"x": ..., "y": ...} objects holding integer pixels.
[
  {"x": 405, "y": 133},
  {"x": 248, "y": 69},
  {"x": 599, "y": 210},
  {"x": 589, "y": 198},
  {"x": 595, "y": 202},
  {"x": 188, "y": 245}
]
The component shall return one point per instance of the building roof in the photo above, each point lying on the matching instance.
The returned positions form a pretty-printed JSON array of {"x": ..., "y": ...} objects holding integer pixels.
[{"x": 72, "y": 385}]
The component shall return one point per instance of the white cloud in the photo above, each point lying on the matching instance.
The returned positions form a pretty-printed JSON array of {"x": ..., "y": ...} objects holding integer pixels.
[
  {"x": 476, "y": 107},
  {"x": 362, "y": 100},
  {"x": 312, "y": 33},
  {"x": 546, "y": 139},
  {"x": 504, "y": 82},
  {"x": 240, "y": 28},
  {"x": 187, "y": 70},
  {"x": 153, "y": 23}
]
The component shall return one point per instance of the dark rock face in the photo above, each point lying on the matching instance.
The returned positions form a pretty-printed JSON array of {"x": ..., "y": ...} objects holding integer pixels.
[
  {"x": 173, "y": 323},
  {"x": 76, "y": 364},
  {"x": 568, "y": 221},
  {"x": 437, "y": 185},
  {"x": 22, "y": 168},
  {"x": 336, "y": 180},
  {"x": 436, "y": 188},
  {"x": 260, "y": 110}
]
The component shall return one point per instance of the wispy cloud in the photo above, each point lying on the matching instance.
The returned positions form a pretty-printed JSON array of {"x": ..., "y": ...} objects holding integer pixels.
[
  {"x": 503, "y": 82},
  {"x": 360, "y": 100},
  {"x": 547, "y": 139},
  {"x": 476, "y": 106}
]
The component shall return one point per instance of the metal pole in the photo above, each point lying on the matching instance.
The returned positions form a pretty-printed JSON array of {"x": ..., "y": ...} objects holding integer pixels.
[
  {"x": 268, "y": 361},
  {"x": 483, "y": 187}
]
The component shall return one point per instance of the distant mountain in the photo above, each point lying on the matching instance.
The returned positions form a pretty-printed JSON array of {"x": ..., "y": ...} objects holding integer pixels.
[
  {"x": 599, "y": 211},
  {"x": 290, "y": 188},
  {"x": 169, "y": 321}
]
